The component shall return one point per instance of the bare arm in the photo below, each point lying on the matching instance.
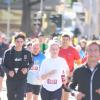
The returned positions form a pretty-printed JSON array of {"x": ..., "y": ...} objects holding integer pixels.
[{"x": 46, "y": 75}]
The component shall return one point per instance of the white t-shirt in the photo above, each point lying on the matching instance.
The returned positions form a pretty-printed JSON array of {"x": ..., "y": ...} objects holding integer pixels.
[{"x": 53, "y": 82}]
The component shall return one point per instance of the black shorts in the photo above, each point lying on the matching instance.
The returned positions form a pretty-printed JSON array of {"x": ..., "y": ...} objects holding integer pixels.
[
  {"x": 51, "y": 95},
  {"x": 35, "y": 89}
]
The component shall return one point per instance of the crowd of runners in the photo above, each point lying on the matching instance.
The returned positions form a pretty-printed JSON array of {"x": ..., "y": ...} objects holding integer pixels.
[{"x": 52, "y": 67}]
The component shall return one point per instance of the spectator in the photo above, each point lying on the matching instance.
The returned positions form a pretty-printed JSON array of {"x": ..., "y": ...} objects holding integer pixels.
[
  {"x": 16, "y": 63},
  {"x": 87, "y": 77}
]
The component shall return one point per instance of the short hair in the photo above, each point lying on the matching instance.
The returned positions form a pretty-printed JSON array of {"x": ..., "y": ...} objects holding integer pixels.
[
  {"x": 40, "y": 35},
  {"x": 83, "y": 41},
  {"x": 66, "y": 35},
  {"x": 91, "y": 43},
  {"x": 20, "y": 36}
]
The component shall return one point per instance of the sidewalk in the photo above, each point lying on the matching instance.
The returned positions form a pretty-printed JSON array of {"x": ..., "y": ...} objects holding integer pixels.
[{"x": 3, "y": 94}]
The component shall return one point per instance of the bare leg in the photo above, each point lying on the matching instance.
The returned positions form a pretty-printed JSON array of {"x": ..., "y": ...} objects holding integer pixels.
[
  {"x": 65, "y": 95},
  {"x": 29, "y": 96},
  {"x": 1, "y": 80},
  {"x": 35, "y": 97}
]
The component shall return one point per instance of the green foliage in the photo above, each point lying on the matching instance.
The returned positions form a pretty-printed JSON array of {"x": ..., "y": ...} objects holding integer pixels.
[
  {"x": 71, "y": 1},
  {"x": 74, "y": 1},
  {"x": 68, "y": 1},
  {"x": 14, "y": 1}
]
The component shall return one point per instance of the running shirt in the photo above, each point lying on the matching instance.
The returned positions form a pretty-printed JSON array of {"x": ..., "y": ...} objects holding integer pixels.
[
  {"x": 70, "y": 55},
  {"x": 33, "y": 74},
  {"x": 54, "y": 81}
]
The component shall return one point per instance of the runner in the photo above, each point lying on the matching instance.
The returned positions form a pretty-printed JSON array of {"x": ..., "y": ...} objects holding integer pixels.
[
  {"x": 71, "y": 55},
  {"x": 53, "y": 71},
  {"x": 86, "y": 78},
  {"x": 3, "y": 47},
  {"x": 33, "y": 83},
  {"x": 16, "y": 63}
]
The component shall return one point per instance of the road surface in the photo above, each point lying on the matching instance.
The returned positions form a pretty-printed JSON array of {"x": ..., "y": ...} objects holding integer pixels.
[{"x": 3, "y": 94}]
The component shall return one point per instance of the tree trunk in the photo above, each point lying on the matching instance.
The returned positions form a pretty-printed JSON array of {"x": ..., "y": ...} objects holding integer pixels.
[{"x": 26, "y": 19}]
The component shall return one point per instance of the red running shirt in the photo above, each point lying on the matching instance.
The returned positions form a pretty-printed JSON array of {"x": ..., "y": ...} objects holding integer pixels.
[{"x": 70, "y": 55}]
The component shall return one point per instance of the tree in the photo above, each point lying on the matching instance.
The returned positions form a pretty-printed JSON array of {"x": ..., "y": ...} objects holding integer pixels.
[
  {"x": 25, "y": 25},
  {"x": 72, "y": 1},
  {"x": 26, "y": 19}
]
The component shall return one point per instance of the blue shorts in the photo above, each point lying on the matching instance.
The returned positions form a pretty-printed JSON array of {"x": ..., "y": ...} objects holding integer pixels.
[{"x": 35, "y": 89}]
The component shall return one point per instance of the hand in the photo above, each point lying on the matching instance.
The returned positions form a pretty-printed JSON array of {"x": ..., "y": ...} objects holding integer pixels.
[
  {"x": 11, "y": 73},
  {"x": 65, "y": 81},
  {"x": 24, "y": 70},
  {"x": 45, "y": 76},
  {"x": 32, "y": 68},
  {"x": 52, "y": 72},
  {"x": 80, "y": 96},
  {"x": 98, "y": 91}
]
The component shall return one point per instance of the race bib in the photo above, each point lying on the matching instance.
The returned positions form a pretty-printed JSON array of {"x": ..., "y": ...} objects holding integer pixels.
[
  {"x": 49, "y": 81},
  {"x": 35, "y": 68}
]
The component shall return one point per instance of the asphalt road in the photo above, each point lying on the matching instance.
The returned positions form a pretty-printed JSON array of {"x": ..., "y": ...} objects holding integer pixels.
[{"x": 3, "y": 94}]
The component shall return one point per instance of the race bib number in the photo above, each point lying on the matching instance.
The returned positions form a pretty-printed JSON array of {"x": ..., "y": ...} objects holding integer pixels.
[
  {"x": 35, "y": 67},
  {"x": 49, "y": 81}
]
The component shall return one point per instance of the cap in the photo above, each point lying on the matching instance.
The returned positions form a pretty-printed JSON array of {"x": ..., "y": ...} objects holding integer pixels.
[{"x": 54, "y": 42}]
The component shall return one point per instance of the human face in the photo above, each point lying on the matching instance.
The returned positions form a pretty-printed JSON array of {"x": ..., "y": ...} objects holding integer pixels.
[
  {"x": 93, "y": 52},
  {"x": 54, "y": 50},
  {"x": 36, "y": 49},
  {"x": 19, "y": 43},
  {"x": 29, "y": 47},
  {"x": 65, "y": 41},
  {"x": 41, "y": 39}
]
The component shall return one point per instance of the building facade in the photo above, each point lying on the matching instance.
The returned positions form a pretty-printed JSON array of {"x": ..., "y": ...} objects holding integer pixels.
[{"x": 93, "y": 9}]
